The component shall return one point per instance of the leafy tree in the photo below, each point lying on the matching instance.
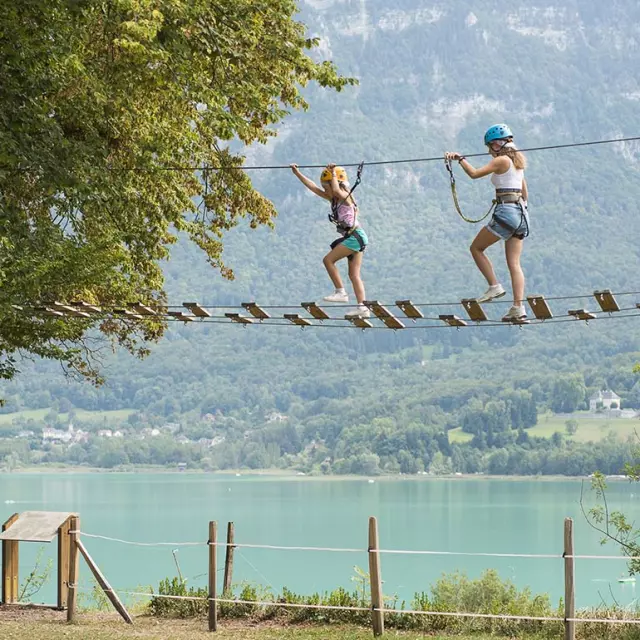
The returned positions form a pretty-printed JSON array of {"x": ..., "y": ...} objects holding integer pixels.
[
  {"x": 568, "y": 394},
  {"x": 106, "y": 109},
  {"x": 571, "y": 426}
]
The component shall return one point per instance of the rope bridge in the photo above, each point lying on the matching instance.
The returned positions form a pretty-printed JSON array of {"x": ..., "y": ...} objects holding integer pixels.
[{"x": 409, "y": 315}]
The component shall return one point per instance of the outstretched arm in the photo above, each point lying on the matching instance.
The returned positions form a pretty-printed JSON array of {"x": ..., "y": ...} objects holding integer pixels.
[
  {"x": 307, "y": 182},
  {"x": 495, "y": 165}
]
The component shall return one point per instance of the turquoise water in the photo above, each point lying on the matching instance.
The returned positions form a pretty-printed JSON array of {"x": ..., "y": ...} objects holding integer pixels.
[{"x": 469, "y": 515}]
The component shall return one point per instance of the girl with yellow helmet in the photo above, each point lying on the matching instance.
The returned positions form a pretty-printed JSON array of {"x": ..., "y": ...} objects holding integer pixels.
[{"x": 353, "y": 239}]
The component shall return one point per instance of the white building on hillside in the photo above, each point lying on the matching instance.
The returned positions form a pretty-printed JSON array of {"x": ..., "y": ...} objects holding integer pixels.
[{"x": 604, "y": 400}]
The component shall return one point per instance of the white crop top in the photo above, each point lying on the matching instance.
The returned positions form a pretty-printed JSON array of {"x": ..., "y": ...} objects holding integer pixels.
[{"x": 512, "y": 179}]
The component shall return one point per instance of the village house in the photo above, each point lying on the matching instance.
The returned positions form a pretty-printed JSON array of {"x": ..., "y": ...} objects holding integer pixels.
[{"x": 604, "y": 400}]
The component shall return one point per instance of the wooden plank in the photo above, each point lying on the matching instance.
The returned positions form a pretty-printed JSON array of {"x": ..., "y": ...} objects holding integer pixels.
[
  {"x": 228, "y": 563},
  {"x": 606, "y": 300},
  {"x": 315, "y": 311},
  {"x": 569, "y": 582},
  {"x": 407, "y": 307},
  {"x": 104, "y": 585},
  {"x": 540, "y": 307},
  {"x": 296, "y": 318},
  {"x": 196, "y": 309},
  {"x": 50, "y": 313},
  {"x": 375, "y": 577},
  {"x": 36, "y": 526},
  {"x": 581, "y": 314},
  {"x": 474, "y": 310},
  {"x": 10, "y": 578},
  {"x": 85, "y": 306},
  {"x": 213, "y": 573},
  {"x": 236, "y": 317},
  {"x": 383, "y": 314},
  {"x": 67, "y": 309},
  {"x": 256, "y": 311},
  {"x": 74, "y": 565},
  {"x": 142, "y": 309},
  {"x": 63, "y": 563},
  {"x": 452, "y": 320},
  {"x": 125, "y": 313},
  {"x": 361, "y": 323},
  {"x": 178, "y": 315}
]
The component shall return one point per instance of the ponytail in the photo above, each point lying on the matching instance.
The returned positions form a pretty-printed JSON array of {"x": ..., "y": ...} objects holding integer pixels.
[{"x": 517, "y": 157}]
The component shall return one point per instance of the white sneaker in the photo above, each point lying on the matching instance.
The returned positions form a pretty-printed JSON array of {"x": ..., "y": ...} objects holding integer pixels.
[
  {"x": 515, "y": 314},
  {"x": 359, "y": 312},
  {"x": 493, "y": 292},
  {"x": 338, "y": 296}
]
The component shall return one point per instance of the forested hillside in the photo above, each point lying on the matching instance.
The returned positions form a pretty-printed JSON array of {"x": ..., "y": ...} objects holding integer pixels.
[{"x": 432, "y": 78}]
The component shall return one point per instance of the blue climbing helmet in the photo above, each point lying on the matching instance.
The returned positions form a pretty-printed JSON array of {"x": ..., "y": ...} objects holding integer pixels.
[{"x": 497, "y": 132}]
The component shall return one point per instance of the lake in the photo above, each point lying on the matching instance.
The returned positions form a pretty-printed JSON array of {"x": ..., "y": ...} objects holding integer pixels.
[{"x": 463, "y": 514}]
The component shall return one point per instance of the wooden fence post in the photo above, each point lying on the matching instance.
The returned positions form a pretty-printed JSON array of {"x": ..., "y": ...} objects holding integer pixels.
[
  {"x": 213, "y": 570},
  {"x": 74, "y": 565},
  {"x": 228, "y": 563},
  {"x": 10, "y": 579},
  {"x": 64, "y": 547},
  {"x": 375, "y": 577},
  {"x": 569, "y": 582},
  {"x": 104, "y": 584}
]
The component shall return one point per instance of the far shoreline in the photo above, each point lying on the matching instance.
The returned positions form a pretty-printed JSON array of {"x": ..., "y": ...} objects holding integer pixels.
[{"x": 284, "y": 474}]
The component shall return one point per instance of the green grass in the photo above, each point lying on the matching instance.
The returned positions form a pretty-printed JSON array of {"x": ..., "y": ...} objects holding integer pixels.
[
  {"x": 589, "y": 429},
  {"x": 93, "y": 416},
  {"x": 460, "y": 436},
  {"x": 111, "y": 628}
]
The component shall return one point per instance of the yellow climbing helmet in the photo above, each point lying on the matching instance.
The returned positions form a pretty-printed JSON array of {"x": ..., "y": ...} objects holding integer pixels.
[{"x": 341, "y": 175}]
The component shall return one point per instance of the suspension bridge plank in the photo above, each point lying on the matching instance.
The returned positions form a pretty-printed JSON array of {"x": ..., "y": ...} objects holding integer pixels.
[
  {"x": 142, "y": 309},
  {"x": 453, "y": 320},
  {"x": 240, "y": 319},
  {"x": 178, "y": 315},
  {"x": 256, "y": 311},
  {"x": 196, "y": 309},
  {"x": 581, "y": 314},
  {"x": 296, "y": 318},
  {"x": 361, "y": 323},
  {"x": 474, "y": 310},
  {"x": 315, "y": 311},
  {"x": 540, "y": 307},
  {"x": 407, "y": 307},
  {"x": 606, "y": 300},
  {"x": 85, "y": 306},
  {"x": 384, "y": 314}
]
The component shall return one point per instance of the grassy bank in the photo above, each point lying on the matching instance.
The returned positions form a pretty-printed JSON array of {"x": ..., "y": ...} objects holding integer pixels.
[{"x": 111, "y": 627}]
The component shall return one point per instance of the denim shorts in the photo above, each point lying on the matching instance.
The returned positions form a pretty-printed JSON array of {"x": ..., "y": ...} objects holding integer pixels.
[{"x": 509, "y": 220}]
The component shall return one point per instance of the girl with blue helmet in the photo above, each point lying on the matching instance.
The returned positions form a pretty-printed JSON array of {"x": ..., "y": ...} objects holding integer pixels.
[
  {"x": 353, "y": 239},
  {"x": 510, "y": 220}
]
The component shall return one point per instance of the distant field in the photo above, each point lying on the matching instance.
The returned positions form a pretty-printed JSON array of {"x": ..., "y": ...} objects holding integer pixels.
[
  {"x": 458, "y": 435},
  {"x": 39, "y": 414},
  {"x": 589, "y": 429}
]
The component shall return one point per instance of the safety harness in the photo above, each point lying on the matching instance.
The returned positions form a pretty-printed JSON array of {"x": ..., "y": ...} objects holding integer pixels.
[
  {"x": 503, "y": 196},
  {"x": 346, "y": 231}
]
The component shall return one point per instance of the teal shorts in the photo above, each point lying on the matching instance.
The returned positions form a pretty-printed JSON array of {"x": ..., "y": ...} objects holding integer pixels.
[{"x": 352, "y": 241}]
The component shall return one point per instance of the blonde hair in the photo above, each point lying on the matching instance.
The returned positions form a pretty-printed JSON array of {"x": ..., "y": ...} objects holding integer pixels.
[{"x": 517, "y": 157}]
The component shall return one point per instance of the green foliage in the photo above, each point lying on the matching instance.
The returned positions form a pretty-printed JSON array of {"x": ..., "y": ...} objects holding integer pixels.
[
  {"x": 100, "y": 103},
  {"x": 614, "y": 526},
  {"x": 571, "y": 427},
  {"x": 37, "y": 578},
  {"x": 177, "y": 608}
]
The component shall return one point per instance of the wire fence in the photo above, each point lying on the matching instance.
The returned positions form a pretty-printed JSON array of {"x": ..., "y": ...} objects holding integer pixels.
[{"x": 377, "y": 608}]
